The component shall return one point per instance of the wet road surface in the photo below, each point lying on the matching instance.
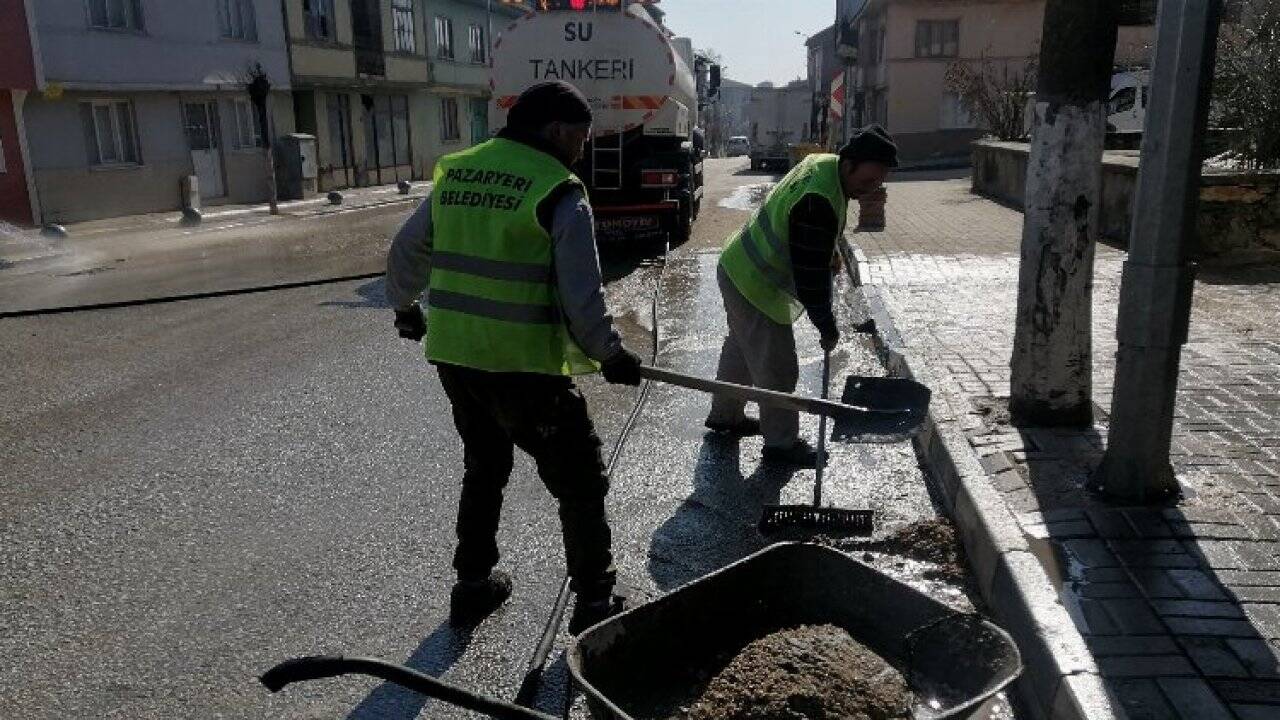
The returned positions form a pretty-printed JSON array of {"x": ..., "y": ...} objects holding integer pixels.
[{"x": 192, "y": 492}]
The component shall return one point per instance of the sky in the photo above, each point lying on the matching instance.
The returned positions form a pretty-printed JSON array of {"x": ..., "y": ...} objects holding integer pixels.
[{"x": 756, "y": 37}]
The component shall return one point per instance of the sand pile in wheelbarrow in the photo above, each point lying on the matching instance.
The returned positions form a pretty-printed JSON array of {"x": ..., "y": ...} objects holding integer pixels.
[{"x": 812, "y": 672}]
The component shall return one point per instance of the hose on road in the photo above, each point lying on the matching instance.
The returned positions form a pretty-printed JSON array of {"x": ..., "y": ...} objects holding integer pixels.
[
  {"x": 188, "y": 296},
  {"x": 533, "y": 675}
]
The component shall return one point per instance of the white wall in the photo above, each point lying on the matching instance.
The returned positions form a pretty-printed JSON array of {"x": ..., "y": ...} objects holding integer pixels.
[
  {"x": 70, "y": 190},
  {"x": 179, "y": 47}
]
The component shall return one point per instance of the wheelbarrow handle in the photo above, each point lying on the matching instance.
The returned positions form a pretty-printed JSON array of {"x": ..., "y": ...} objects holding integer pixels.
[
  {"x": 318, "y": 667},
  {"x": 800, "y": 403}
]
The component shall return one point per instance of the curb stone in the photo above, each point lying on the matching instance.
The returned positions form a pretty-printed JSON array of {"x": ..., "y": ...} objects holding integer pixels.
[{"x": 1060, "y": 680}]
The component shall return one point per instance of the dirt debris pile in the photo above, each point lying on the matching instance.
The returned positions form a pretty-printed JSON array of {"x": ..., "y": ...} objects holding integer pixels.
[
  {"x": 811, "y": 672},
  {"x": 930, "y": 541}
]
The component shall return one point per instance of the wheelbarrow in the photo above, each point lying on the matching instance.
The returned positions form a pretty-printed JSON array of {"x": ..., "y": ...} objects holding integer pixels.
[{"x": 645, "y": 663}]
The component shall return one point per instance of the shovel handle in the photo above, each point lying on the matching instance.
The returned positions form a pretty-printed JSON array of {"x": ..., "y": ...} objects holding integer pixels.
[
  {"x": 318, "y": 667},
  {"x": 819, "y": 469},
  {"x": 799, "y": 403}
]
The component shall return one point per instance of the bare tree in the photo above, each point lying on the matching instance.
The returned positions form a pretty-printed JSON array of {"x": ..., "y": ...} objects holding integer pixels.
[
  {"x": 996, "y": 93},
  {"x": 1247, "y": 85}
]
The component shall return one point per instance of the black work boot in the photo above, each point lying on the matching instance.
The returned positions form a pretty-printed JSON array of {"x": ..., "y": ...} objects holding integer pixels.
[
  {"x": 474, "y": 600},
  {"x": 746, "y": 427},
  {"x": 802, "y": 455},
  {"x": 588, "y": 611}
]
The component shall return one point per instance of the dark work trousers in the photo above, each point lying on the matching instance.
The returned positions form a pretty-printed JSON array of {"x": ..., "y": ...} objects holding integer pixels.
[{"x": 546, "y": 416}]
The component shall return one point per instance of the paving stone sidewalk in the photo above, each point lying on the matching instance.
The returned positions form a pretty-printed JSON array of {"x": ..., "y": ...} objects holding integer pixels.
[{"x": 1180, "y": 606}]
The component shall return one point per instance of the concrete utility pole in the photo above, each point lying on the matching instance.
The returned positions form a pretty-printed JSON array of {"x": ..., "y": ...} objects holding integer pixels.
[
  {"x": 1155, "y": 297},
  {"x": 1052, "y": 371}
]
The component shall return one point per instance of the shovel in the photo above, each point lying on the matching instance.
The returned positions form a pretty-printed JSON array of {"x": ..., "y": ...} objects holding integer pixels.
[{"x": 850, "y": 419}]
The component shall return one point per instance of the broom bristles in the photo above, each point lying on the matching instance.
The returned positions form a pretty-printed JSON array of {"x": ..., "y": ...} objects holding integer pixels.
[{"x": 809, "y": 517}]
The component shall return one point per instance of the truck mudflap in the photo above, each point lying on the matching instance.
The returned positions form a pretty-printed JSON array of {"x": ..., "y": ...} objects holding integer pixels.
[{"x": 637, "y": 223}]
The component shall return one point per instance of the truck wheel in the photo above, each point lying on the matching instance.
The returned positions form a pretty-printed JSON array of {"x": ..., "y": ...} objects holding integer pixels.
[
  {"x": 683, "y": 227},
  {"x": 684, "y": 231}
]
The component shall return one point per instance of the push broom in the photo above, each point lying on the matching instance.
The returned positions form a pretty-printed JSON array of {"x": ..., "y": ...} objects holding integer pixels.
[{"x": 815, "y": 517}]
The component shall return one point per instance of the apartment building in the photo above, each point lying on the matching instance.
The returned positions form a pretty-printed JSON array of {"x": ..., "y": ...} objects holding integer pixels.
[
  {"x": 462, "y": 44},
  {"x": 388, "y": 86},
  {"x": 905, "y": 47},
  {"x": 138, "y": 95},
  {"x": 18, "y": 78},
  {"x": 822, "y": 68}
]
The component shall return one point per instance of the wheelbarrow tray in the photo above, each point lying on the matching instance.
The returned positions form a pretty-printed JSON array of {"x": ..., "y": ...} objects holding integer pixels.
[{"x": 646, "y": 663}]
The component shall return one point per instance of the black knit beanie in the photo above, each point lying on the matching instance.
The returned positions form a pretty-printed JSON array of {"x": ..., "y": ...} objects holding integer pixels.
[
  {"x": 546, "y": 103},
  {"x": 871, "y": 144}
]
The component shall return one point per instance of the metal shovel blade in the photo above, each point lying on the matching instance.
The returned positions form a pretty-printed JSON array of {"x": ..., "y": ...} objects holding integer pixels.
[{"x": 908, "y": 396}]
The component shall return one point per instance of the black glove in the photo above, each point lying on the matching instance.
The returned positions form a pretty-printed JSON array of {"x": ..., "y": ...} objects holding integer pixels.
[
  {"x": 622, "y": 369},
  {"x": 411, "y": 324},
  {"x": 829, "y": 335}
]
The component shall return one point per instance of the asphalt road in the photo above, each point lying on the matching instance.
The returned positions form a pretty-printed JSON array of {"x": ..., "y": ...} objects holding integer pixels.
[{"x": 190, "y": 492}]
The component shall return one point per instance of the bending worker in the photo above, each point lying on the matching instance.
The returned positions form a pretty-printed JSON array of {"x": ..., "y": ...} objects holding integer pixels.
[
  {"x": 505, "y": 248},
  {"x": 778, "y": 265}
]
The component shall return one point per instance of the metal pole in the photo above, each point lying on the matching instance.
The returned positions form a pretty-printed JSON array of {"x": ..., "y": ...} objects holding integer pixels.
[
  {"x": 1158, "y": 279},
  {"x": 268, "y": 158}
]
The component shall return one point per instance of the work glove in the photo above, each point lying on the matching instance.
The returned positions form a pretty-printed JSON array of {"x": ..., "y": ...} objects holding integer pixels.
[
  {"x": 829, "y": 335},
  {"x": 411, "y": 324},
  {"x": 622, "y": 369}
]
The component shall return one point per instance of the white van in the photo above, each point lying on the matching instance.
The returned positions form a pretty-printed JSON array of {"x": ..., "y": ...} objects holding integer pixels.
[{"x": 1127, "y": 108}]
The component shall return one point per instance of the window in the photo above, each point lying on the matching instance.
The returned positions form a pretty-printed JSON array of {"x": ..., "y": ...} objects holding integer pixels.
[
  {"x": 318, "y": 16},
  {"x": 449, "y": 120},
  {"x": 235, "y": 19},
  {"x": 108, "y": 131},
  {"x": 444, "y": 38},
  {"x": 953, "y": 113},
  {"x": 402, "y": 25},
  {"x": 478, "y": 50},
  {"x": 1122, "y": 101},
  {"x": 248, "y": 129},
  {"x": 937, "y": 38},
  {"x": 115, "y": 14}
]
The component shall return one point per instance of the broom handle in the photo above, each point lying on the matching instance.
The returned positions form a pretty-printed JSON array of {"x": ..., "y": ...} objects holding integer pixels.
[
  {"x": 822, "y": 432},
  {"x": 809, "y": 405}
]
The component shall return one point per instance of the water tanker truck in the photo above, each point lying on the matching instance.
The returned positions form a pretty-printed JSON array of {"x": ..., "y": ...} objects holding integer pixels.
[{"x": 643, "y": 174}]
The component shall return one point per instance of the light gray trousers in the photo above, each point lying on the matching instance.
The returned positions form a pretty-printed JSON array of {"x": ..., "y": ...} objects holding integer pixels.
[{"x": 760, "y": 352}]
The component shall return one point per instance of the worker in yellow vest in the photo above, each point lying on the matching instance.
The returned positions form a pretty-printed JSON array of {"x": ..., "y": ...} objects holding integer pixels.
[
  {"x": 505, "y": 249},
  {"x": 779, "y": 265}
]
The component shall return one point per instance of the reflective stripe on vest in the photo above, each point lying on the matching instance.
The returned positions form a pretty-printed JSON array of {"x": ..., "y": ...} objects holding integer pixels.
[
  {"x": 492, "y": 269},
  {"x": 492, "y": 302},
  {"x": 776, "y": 276},
  {"x": 758, "y": 258},
  {"x": 492, "y": 309}
]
